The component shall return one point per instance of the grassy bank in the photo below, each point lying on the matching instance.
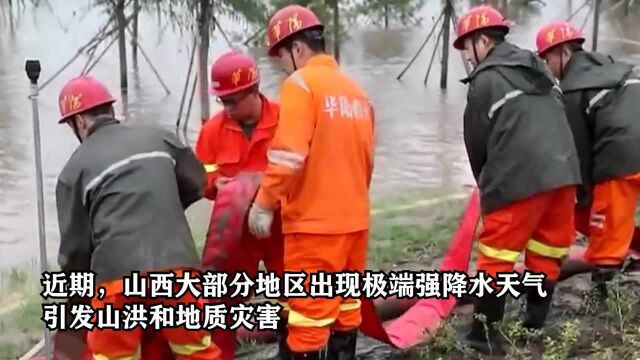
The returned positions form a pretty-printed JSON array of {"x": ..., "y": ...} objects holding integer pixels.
[{"x": 574, "y": 330}]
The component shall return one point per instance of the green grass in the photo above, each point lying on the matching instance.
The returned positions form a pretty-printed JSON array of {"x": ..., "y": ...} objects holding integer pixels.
[
  {"x": 412, "y": 239},
  {"x": 21, "y": 329}
]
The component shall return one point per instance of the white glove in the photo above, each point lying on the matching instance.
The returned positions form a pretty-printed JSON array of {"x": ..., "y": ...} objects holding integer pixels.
[{"x": 260, "y": 220}]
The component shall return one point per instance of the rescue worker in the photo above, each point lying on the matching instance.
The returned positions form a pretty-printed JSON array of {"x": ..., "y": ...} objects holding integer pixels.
[
  {"x": 320, "y": 168},
  {"x": 121, "y": 199},
  {"x": 601, "y": 98},
  {"x": 236, "y": 140},
  {"x": 522, "y": 156}
]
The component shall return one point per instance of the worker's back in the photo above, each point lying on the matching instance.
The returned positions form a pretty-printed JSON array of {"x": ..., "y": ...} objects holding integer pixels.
[
  {"x": 331, "y": 195},
  {"x": 131, "y": 184}
]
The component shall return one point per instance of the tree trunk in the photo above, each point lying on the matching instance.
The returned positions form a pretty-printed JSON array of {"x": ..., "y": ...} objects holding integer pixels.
[
  {"x": 134, "y": 41},
  {"x": 336, "y": 29},
  {"x": 123, "y": 54},
  {"x": 445, "y": 44},
  {"x": 386, "y": 15},
  {"x": 596, "y": 25},
  {"x": 203, "y": 58}
]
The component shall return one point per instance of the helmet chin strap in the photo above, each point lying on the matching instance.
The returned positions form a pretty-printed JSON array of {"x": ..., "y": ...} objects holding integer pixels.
[
  {"x": 475, "y": 53},
  {"x": 293, "y": 60},
  {"x": 561, "y": 64},
  {"x": 76, "y": 131}
]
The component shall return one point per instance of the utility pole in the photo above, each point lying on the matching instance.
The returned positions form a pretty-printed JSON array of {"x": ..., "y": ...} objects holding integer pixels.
[
  {"x": 446, "y": 24},
  {"x": 203, "y": 58},
  {"x": 122, "y": 48},
  {"x": 386, "y": 14},
  {"x": 134, "y": 41},
  {"x": 336, "y": 29},
  {"x": 596, "y": 25}
]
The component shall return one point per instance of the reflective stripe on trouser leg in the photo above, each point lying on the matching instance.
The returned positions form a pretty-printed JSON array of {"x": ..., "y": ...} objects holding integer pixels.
[
  {"x": 547, "y": 250},
  {"x": 190, "y": 349},
  {"x": 493, "y": 260},
  {"x": 307, "y": 333},
  {"x": 500, "y": 254},
  {"x": 546, "y": 259},
  {"x": 299, "y": 320},
  {"x": 349, "y": 317},
  {"x": 135, "y": 356}
]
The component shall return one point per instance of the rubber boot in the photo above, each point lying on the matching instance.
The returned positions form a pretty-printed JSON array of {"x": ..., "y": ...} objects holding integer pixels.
[
  {"x": 486, "y": 341},
  {"x": 312, "y": 355},
  {"x": 281, "y": 334},
  {"x": 538, "y": 306},
  {"x": 632, "y": 268},
  {"x": 600, "y": 277},
  {"x": 342, "y": 345}
]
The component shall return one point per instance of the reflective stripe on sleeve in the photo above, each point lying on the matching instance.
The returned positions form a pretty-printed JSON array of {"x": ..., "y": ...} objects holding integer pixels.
[
  {"x": 498, "y": 104},
  {"x": 115, "y": 166},
  {"x": 594, "y": 100},
  {"x": 288, "y": 159},
  {"x": 211, "y": 168}
]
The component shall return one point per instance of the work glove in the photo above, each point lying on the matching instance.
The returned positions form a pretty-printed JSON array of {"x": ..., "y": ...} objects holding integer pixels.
[{"x": 260, "y": 220}]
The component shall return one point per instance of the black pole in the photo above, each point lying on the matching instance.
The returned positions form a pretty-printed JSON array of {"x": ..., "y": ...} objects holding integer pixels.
[
  {"x": 596, "y": 25},
  {"x": 336, "y": 29},
  {"x": 446, "y": 26},
  {"x": 134, "y": 41},
  {"x": 186, "y": 84},
  {"x": 203, "y": 58},
  {"x": 32, "y": 68},
  {"x": 122, "y": 49},
  {"x": 433, "y": 55},
  {"x": 386, "y": 15},
  {"x": 626, "y": 7},
  {"x": 433, "y": 29}
]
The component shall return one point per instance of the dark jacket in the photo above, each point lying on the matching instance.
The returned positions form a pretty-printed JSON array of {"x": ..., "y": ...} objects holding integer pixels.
[
  {"x": 516, "y": 132},
  {"x": 121, "y": 199},
  {"x": 602, "y": 100}
]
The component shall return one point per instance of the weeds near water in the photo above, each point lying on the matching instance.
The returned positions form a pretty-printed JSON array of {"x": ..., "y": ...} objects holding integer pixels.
[
  {"x": 560, "y": 347},
  {"x": 393, "y": 242},
  {"x": 519, "y": 338}
]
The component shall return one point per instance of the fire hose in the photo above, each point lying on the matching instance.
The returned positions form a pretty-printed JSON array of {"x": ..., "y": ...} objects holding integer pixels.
[{"x": 401, "y": 323}]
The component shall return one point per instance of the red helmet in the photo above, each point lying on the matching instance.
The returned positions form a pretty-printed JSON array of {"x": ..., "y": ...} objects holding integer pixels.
[
  {"x": 81, "y": 94},
  {"x": 288, "y": 21},
  {"x": 556, "y": 33},
  {"x": 478, "y": 18},
  {"x": 233, "y": 72}
]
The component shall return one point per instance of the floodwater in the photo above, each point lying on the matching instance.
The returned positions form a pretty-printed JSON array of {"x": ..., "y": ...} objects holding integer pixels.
[{"x": 419, "y": 127}]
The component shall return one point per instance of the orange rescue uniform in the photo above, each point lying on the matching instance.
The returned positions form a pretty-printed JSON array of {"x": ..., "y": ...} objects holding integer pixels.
[
  {"x": 320, "y": 167},
  {"x": 225, "y": 151},
  {"x": 538, "y": 225},
  {"x": 109, "y": 344},
  {"x": 610, "y": 221}
]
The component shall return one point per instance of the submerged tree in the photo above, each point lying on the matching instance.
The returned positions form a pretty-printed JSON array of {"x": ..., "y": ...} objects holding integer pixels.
[{"x": 382, "y": 12}]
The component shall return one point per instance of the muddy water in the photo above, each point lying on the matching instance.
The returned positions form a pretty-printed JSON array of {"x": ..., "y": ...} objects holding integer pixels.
[{"x": 419, "y": 128}]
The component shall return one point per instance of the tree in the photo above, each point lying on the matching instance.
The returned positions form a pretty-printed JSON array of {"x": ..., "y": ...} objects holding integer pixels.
[{"x": 384, "y": 11}]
